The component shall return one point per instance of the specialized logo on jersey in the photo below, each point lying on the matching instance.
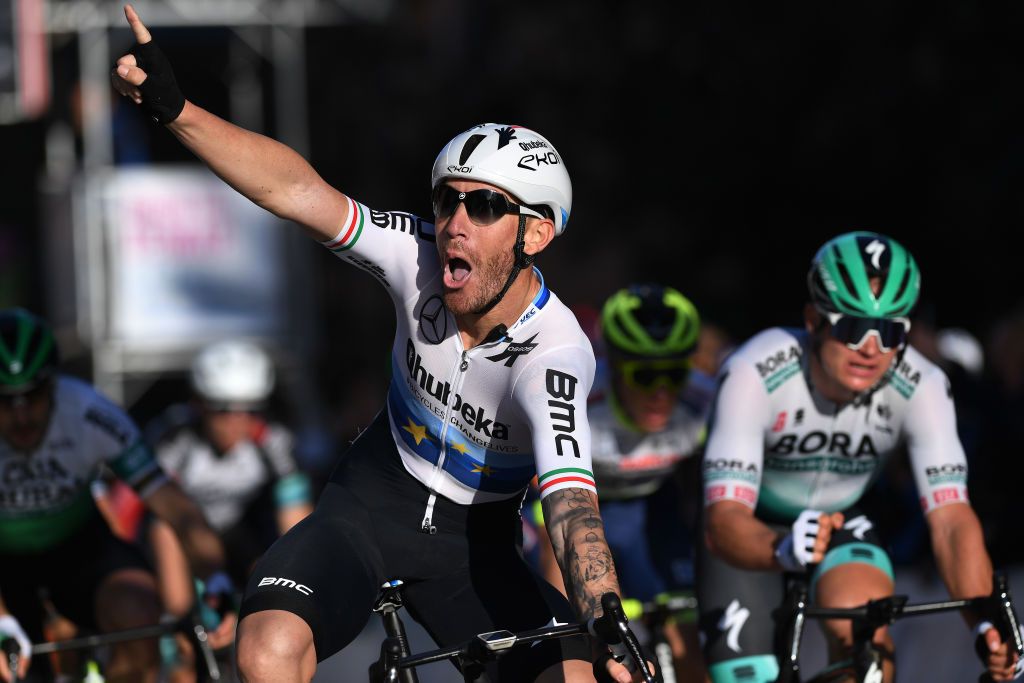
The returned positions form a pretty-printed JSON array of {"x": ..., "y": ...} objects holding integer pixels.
[
  {"x": 511, "y": 352},
  {"x": 732, "y": 622},
  {"x": 779, "y": 367},
  {"x": 433, "y": 320}
]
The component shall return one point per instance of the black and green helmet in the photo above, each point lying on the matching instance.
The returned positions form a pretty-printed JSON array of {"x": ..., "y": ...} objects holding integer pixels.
[
  {"x": 650, "y": 320},
  {"x": 28, "y": 353},
  {"x": 840, "y": 277}
]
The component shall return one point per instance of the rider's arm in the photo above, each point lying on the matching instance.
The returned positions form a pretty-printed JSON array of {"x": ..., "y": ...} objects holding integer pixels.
[
  {"x": 940, "y": 472},
  {"x": 733, "y": 460},
  {"x": 202, "y": 546},
  {"x": 269, "y": 173},
  {"x": 552, "y": 390},
  {"x": 960, "y": 555},
  {"x": 739, "y": 538}
]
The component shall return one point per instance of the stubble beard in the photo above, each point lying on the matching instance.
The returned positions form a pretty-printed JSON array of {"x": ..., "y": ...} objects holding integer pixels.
[{"x": 489, "y": 278}]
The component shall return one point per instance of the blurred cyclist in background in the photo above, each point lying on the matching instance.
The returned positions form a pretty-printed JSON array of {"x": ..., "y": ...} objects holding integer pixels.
[
  {"x": 803, "y": 422},
  {"x": 648, "y": 418},
  {"x": 237, "y": 465},
  {"x": 56, "y": 432},
  {"x": 228, "y": 457}
]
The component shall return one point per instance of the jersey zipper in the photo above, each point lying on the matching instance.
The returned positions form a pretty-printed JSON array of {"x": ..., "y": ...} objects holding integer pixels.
[{"x": 455, "y": 380}]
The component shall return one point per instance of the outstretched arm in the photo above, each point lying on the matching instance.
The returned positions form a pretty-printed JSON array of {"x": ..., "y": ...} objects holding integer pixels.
[{"x": 269, "y": 173}]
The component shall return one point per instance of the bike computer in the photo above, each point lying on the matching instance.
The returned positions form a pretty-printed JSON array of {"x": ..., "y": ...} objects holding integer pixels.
[{"x": 497, "y": 640}]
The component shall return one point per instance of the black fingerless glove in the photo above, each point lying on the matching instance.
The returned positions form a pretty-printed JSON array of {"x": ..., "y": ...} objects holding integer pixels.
[{"x": 161, "y": 97}]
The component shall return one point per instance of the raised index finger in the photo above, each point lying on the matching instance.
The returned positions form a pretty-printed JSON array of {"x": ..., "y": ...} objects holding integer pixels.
[{"x": 142, "y": 35}]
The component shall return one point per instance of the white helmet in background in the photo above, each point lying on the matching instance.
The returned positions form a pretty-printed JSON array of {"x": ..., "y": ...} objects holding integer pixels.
[
  {"x": 233, "y": 372},
  {"x": 516, "y": 159}
]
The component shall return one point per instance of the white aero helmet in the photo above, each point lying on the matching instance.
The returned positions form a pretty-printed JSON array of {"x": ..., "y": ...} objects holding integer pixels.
[
  {"x": 233, "y": 373},
  {"x": 516, "y": 159}
]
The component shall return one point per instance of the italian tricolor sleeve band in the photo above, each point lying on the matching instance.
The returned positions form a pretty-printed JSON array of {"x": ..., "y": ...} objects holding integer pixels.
[
  {"x": 566, "y": 478},
  {"x": 349, "y": 233}
]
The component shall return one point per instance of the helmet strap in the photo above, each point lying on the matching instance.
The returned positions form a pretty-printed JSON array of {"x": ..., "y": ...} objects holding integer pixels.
[{"x": 522, "y": 260}]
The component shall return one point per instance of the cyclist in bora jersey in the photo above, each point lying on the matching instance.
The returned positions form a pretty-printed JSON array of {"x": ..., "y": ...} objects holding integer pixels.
[
  {"x": 803, "y": 422},
  {"x": 56, "y": 432},
  {"x": 491, "y": 374}
]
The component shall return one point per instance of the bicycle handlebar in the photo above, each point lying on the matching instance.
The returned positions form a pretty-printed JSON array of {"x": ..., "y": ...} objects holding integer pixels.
[
  {"x": 611, "y": 628},
  {"x": 874, "y": 614},
  {"x": 190, "y": 625}
]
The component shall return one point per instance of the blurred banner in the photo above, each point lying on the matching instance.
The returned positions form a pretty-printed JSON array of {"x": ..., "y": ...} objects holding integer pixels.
[
  {"x": 24, "y": 61},
  {"x": 189, "y": 260}
]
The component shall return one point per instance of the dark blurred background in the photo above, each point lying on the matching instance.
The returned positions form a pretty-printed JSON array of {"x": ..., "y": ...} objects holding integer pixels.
[{"x": 713, "y": 146}]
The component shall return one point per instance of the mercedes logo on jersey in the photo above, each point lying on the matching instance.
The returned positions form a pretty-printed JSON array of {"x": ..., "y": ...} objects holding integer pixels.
[{"x": 433, "y": 321}]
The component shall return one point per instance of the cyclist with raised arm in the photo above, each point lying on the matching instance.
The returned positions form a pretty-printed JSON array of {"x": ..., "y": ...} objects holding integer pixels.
[
  {"x": 56, "y": 432},
  {"x": 491, "y": 375},
  {"x": 802, "y": 424}
]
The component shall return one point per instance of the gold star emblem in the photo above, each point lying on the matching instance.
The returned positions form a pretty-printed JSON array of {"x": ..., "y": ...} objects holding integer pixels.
[
  {"x": 484, "y": 469},
  {"x": 419, "y": 432},
  {"x": 460, "y": 447}
]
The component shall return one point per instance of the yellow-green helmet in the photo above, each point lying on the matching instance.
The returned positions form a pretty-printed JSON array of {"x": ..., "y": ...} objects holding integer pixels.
[
  {"x": 28, "y": 353},
  {"x": 651, "y": 321},
  {"x": 839, "y": 280}
]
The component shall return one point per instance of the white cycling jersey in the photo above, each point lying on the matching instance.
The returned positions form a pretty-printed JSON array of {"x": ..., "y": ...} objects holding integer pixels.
[
  {"x": 45, "y": 495},
  {"x": 474, "y": 425},
  {"x": 629, "y": 463},
  {"x": 778, "y": 446},
  {"x": 225, "y": 484}
]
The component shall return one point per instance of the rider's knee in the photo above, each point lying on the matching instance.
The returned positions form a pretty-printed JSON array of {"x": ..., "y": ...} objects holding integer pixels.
[
  {"x": 754, "y": 669},
  {"x": 271, "y": 641}
]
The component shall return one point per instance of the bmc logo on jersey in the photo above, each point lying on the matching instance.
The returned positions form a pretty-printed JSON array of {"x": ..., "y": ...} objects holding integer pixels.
[
  {"x": 287, "y": 583},
  {"x": 562, "y": 385}
]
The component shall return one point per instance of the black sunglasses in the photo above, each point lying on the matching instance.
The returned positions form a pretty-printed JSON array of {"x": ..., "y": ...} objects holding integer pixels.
[{"x": 483, "y": 207}]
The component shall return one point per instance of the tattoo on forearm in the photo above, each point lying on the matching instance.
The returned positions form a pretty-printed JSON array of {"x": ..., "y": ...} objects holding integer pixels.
[{"x": 577, "y": 536}]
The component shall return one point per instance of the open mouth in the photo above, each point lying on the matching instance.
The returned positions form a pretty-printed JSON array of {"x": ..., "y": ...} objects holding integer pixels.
[{"x": 457, "y": 272}]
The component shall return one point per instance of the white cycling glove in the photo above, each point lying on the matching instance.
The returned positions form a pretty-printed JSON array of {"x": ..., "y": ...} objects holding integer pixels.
[
  {"x": 10, "y": 627},
  {"x": 796, "y": 550}
]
